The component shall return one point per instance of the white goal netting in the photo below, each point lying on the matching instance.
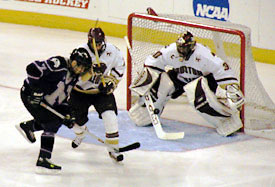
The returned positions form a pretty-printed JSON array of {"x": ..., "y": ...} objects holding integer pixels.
[{"x": 231, "y": 42}]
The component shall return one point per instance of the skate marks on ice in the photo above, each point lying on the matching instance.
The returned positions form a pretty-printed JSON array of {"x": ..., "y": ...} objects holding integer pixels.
[{"x": 196, "y": 137}]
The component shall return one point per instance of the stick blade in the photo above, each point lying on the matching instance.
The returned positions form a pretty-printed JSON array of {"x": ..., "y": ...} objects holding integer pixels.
[
  {"x": 129, "y": 147},
  {"x": 172, "y": 136},
  {"x": 161, "y": 134}
]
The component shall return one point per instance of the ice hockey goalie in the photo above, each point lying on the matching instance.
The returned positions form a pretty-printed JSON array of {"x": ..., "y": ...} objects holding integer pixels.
[{"x": 209, "y": 82}]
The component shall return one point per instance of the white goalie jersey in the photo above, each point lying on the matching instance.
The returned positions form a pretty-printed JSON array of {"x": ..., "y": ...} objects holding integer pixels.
[
  {"x": 190, "y": 71},
  {"x": 201, "y": 63},
  {"x": 112, "y": 59}
]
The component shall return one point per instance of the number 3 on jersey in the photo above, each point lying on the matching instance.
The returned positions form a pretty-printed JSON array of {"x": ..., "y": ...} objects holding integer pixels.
[{"x": 225, "y": 66}]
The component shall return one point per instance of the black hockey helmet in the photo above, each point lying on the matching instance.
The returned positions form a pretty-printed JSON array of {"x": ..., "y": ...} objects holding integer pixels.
[
  {"x": 82, "y": 57},
  {"x": 98, "y": 35},
  {"x": 185, "y": 44}
]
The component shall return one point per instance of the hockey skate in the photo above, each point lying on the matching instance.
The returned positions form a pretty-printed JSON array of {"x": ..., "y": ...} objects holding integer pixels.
[
  {"x": 116, "y": 156},
  {"x": 25, "y": 129},
  {"x": 80, "y": 132},
  {"x": 45, "y": 166},
  {"x": 77, "y": 141}
]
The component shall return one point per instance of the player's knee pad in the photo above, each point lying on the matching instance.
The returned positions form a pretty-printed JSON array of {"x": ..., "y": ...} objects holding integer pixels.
[
  {"x": 207, "y": 105},
  {"x": 139, "y": 114},
  {"x": 110, "y": 121}
]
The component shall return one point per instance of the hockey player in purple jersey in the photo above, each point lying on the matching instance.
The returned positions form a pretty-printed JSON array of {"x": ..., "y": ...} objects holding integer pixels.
[{"x": 50, "y": 82}]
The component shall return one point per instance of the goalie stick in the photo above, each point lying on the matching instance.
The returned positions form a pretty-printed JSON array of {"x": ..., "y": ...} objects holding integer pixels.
[
  {"x": 156, "y": 121},
  {"x": 121, "y": 149},
  {"x": 161, "y": 134}
]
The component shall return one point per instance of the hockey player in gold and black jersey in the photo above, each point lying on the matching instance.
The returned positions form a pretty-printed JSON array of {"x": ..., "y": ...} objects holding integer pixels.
[{"x": 108, "y": 69}]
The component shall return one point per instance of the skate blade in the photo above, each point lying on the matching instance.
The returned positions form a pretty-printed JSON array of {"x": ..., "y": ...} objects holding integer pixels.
[{"x": 45, "y": 171}]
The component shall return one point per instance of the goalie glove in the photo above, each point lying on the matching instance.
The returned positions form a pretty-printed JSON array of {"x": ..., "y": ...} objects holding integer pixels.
[
  {"x": 110, "y": 85},
  {"x": 234, "y": 96}
]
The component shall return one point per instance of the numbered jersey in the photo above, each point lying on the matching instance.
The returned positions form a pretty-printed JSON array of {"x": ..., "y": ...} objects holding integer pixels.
[
  {"x": 113, "y": 62},
  {"x": 52, "y": 77},
  {"x": 201, "y": 63}
]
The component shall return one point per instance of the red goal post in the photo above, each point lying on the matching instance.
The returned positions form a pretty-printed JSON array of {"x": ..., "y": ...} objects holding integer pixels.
[{"x": 147, "y": 34}]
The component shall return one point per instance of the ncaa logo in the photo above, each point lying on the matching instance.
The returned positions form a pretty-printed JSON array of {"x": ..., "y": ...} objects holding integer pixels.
[{"x": 213, "y": 9}]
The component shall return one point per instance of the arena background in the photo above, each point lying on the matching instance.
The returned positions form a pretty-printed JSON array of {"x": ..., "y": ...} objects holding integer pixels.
[{"x": 112, "y": 15}]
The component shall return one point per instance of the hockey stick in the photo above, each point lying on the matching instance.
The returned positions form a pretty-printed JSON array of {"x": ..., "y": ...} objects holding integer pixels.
[
  {"x": 156, "y": 121},
  {"x": 97, "y": 60},
  {"x": 121, "y": 149},
  {"x": 153, "y": 113}
]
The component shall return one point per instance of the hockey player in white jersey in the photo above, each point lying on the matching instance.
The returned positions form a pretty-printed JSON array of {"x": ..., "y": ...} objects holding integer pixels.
[
  {"x": 108, "y": 69},
  {"x": 210, "y": 84}
]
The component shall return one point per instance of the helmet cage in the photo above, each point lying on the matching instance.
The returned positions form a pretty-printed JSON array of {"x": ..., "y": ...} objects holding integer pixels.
[
  {"x": 98, "y": 35},
  {"x": 185, "y": 44}
]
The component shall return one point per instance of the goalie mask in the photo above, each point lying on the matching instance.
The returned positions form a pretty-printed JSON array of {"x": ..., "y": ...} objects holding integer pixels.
[
  {"x": 185, "y": 45},
  {"x": 80, "y": 61},
  {"x": 98, "y": 35}
]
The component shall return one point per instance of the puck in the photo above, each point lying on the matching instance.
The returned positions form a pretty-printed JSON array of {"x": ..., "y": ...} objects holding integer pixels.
[{"x": 156, "y": 111}]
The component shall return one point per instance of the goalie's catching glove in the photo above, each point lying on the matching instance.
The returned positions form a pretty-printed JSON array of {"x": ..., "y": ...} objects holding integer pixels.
[
  {"x": 69, "y": 121},
  {"x": 36, "y": 97},
  {"x": 234, "y": 96}
]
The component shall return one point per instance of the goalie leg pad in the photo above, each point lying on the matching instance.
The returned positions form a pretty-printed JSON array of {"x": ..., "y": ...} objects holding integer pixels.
[
  {"x": 164, "y": 91},
  {"x": 139, "y": 114},
  {"x": 207, "y": 105}
]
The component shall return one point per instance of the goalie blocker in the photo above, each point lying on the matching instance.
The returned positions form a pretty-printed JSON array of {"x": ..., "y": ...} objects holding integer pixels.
[{"x": 222, "y": 112}]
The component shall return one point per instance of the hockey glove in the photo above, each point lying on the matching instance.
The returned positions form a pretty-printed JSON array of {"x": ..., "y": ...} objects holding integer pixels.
[
  {"x": 107, "y": 89},
  {"x": 36, "y": 97},
  {"x": 110, "y": 84},
  {"x": 69, "y": 121},
  {"x": 234, "y": 96},
  {"x": 99, "y": 68}
]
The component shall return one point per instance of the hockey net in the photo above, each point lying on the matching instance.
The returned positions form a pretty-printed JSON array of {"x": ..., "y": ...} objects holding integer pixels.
[{"x": 147, "y": 34}]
